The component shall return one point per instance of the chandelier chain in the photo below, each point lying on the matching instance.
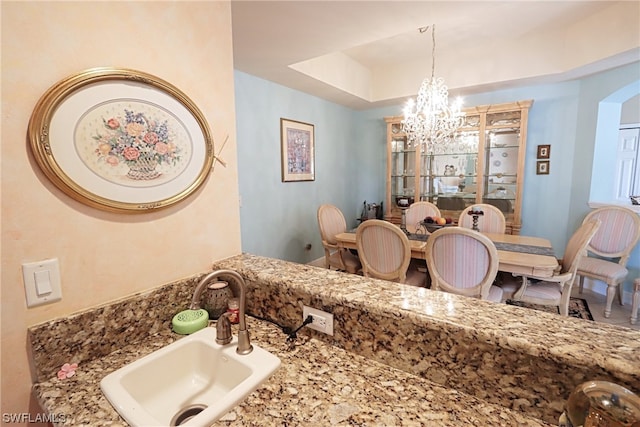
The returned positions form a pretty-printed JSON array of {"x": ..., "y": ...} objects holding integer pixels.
[{"x": 433, "y": 51}]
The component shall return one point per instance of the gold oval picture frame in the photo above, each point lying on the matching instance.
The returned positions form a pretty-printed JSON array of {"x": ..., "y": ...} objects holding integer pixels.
[{"x": 121, "y": 140}]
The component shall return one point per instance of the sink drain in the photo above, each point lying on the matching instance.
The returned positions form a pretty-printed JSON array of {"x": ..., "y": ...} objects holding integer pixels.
[{"x": 185, "y": 414}]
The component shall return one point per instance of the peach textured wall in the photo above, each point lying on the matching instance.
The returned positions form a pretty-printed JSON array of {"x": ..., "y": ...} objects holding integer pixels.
[{"x": 105, "y": 256}]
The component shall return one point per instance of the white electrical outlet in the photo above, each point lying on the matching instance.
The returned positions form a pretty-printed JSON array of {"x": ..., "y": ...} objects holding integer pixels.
[{"x": 322, "y": 321}]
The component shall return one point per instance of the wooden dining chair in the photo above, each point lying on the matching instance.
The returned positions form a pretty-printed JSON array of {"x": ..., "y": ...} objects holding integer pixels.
[
  {"x": 555, "y": 290},
  {"x": 385, "y": 253},
  {"x": 331, "y": 222},
  {"x": 612, "y": 246},
  {"x": 463, "y": 262},
  {"x": 492, "y": 220},
  {"x": 417, "y": 212}
]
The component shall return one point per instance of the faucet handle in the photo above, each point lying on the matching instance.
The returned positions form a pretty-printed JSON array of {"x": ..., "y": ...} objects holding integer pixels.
[{"x": 223, "y": 330}]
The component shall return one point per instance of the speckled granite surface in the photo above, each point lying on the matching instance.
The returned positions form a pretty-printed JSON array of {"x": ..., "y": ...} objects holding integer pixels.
[
  {"x": 444, "y": 345},
  {"x": 100, "y": 331},
  {"x": 515, "y": 357},
  {"x": 316, "y": 385}
]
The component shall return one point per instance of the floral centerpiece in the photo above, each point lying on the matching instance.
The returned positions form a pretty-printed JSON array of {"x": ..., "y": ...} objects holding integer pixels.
[{"x": 139, "y": 141}]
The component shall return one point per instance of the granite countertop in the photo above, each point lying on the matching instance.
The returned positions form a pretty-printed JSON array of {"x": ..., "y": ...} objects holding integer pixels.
[
  {"x": 317, "y": 384},
  {"x": 399, "y": 354},
  {"x": 565, "y": 339}
]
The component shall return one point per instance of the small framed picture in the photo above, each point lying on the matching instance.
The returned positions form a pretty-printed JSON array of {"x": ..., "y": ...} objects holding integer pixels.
[
  {"x": 544, "y": 151},
  {"x": 542, "y": 167},
  {"x": 297, "y": 141}
]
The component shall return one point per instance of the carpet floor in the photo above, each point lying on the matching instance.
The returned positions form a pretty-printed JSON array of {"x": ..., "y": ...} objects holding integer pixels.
[{"x": 578, "y": 308}]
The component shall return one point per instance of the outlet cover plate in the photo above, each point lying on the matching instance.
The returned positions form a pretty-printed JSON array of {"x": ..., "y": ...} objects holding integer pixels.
[{"x": 328, "y": 319}]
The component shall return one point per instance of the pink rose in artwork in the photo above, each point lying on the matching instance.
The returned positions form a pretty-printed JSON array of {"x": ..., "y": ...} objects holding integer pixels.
[
  {"x": 113, "y": 123},
  {"x": 67, "y": 370},
  {"x": 162, "y": 148},
  {"x": 130, "y": 153},
  {"x": 113, "y": 160},
  {"x": 151, "y": 138}
]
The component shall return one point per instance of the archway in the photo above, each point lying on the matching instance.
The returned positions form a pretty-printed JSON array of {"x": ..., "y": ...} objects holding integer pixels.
[{"x": 606, "y": 137}]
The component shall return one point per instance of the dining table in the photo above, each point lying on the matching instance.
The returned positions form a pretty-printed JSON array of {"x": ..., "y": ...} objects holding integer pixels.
[{"x": 520, "y": 255}]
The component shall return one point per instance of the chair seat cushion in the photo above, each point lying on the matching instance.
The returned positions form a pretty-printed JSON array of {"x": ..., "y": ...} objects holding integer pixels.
[
  {"x": 608, "y": 270},
  {"x": 544, "y": 291},
  {"x": 495, "y": 294},
  {"x": 509, "y": 288}
]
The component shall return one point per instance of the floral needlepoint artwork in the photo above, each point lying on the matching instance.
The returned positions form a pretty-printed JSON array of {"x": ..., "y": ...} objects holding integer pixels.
[
  {"x": 138, "y": 140},
  {"x": 67, "y": 371}
]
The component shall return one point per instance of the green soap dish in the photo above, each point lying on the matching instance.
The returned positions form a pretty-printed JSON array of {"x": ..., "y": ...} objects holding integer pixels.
[{"x": 189, "y": 321}]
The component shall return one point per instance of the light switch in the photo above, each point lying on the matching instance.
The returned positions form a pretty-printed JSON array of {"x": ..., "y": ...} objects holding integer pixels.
[{"x": 42, "y": 282}]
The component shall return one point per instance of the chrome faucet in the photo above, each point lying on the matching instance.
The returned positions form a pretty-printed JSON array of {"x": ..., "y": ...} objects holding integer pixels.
[{"x": 223, "y": 326}]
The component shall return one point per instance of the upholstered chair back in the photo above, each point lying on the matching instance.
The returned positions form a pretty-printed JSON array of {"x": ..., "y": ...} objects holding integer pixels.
[
  {"x": 618, "y": 234},
  {"x": 384, "y": 250},
  {"x": 418, "y": 211},
  {"x": 492, "y": 220},
  {"x": 464, "y": 262},
  {"x": 331, "y": 222}
]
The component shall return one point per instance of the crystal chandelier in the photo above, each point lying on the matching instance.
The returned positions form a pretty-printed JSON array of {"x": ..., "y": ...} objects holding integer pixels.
[{"x": 430, "y": 121}]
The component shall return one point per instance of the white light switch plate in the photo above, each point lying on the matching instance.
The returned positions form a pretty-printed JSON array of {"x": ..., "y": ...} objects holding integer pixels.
[{"x": 42, "y": 282}]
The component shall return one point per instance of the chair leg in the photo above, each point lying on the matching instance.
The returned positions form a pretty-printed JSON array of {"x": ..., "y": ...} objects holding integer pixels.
[
  {"x": 619, "y": 287},
  {"x": 327, "y": 254},
  {"x": 564, "y": 303},
  {"x": 611, "y": 293},
  {"x": 517, "y": 296},
  {"x": 581, "y": 284},
  {"x": 636, "y": 302}
]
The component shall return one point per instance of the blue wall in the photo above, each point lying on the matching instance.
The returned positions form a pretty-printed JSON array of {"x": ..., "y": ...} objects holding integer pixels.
[{"x": 278, "y": 219}]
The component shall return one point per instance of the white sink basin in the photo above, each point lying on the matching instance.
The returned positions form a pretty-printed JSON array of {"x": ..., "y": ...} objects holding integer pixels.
[{"x": 191, "y": 371}]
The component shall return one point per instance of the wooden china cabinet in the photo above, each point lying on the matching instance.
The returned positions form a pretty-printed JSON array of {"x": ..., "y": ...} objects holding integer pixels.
[{"x": 483, "y": 164}]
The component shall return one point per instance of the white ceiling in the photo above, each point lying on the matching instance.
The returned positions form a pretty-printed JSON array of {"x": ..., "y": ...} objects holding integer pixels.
[{"x": 365, "y": 54}]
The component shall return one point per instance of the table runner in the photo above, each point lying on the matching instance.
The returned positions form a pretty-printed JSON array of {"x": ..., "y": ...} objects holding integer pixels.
[{"x": 502, "y": 246}]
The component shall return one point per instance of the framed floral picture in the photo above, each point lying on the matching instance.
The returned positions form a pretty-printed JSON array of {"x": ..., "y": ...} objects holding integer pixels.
[
  {"x": 121, "y": 140},
  {"x": 297, "y": 147}
]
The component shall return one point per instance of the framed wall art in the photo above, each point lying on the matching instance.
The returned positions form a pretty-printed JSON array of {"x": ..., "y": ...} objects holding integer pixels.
[
  {"x": 542, "y": 167},
  {"x": 121, "y": 140},
  {"x": 544, "y": 151},
  {"x": 298, "y": 146}
]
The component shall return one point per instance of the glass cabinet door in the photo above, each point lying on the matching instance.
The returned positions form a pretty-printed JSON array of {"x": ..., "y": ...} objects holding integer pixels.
[
  {"x": 502, "y": 154},
  {"x": 426, "y": 183},
  {"x": 454, "y": 170},
  {"x": 484, "y": 163},
  {"x": 403, "y": 164}
]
